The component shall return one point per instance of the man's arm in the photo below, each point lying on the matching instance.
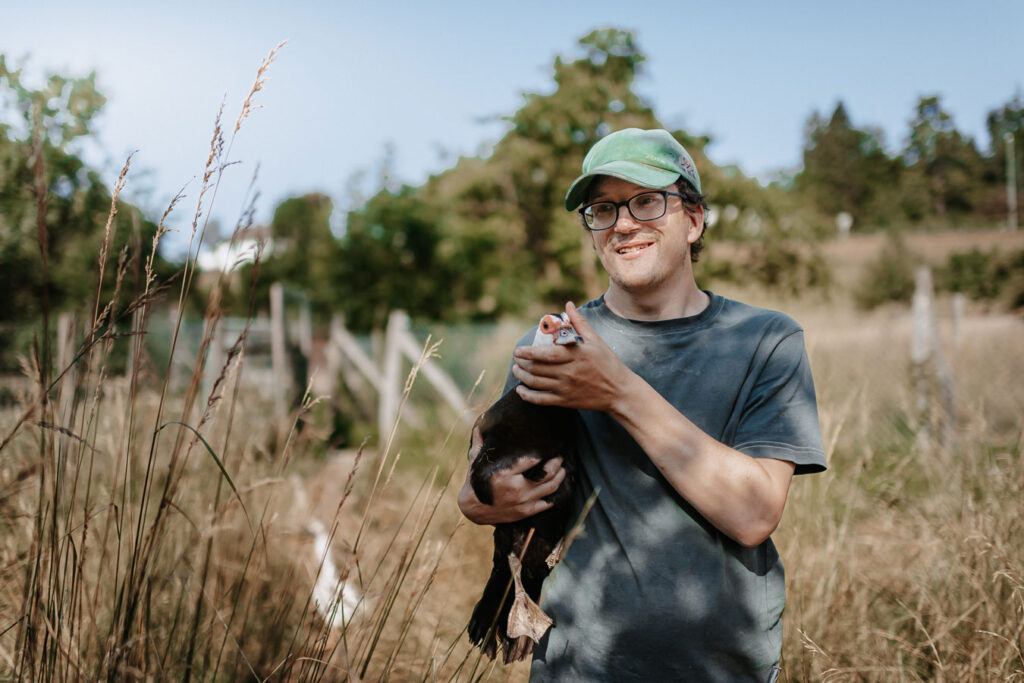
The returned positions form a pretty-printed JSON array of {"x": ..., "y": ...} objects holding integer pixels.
[
  {"x": 515, "y": 496},
  {"x": 742, "y": 496}
]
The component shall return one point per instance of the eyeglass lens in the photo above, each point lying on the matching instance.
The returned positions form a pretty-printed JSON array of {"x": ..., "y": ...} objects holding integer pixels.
[{"x": 643, "y": 207}]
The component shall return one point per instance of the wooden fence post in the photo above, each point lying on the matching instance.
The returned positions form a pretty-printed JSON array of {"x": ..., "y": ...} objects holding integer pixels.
[
  {"x": 277, "y": 347},
  {"x": 441, "y": 381},
  {"x": 305, "y": 330},
  {"x": 135, "y": 346},
  {"x": 958, "y": 319},
  {"x": 388, "y": 380},
  {"x": 65, "y": 339},
  {"x": 929, "y": 371},
  {"x": 391, "y": 381},
  {"x": 334, "y": 362}
]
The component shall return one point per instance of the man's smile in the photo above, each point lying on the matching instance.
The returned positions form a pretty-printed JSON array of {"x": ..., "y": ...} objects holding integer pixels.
[{"x": 633, "y": 248}]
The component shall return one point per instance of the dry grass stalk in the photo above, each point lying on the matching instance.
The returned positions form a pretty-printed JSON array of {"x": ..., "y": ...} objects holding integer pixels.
[
  {"x": 892, "y": 557},
  {"x": 123, "y": 557},
  {"x": 152, "y": 594}
]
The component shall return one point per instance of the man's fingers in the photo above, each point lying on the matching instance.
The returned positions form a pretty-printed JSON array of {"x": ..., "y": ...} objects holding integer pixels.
[
  {"x": 515, "y": 496},
  {"x": 546, "y": 488},
  {"x": 533, "y": 380},
  {"x": 551, "y": 467},
  {"x": 521, "y": 465},
  {"x": 555, "y": 354},
  {"x": 536, "y": 507},
  {"x": 541, "y": 367},
  {"x": 538, "y": 398},
  {"x": 553, "y": 478},
  {"x": 476, "y": 443}
]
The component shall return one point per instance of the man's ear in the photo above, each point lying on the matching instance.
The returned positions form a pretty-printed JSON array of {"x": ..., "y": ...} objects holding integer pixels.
[{"x": 696, "y": 229}]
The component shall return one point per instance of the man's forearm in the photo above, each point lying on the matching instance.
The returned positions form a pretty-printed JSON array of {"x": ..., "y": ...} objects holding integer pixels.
[{"x": 743, "y": 497}]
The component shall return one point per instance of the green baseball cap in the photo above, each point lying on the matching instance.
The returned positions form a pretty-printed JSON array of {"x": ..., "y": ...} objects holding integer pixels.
[{"x": 649, "y": 158}]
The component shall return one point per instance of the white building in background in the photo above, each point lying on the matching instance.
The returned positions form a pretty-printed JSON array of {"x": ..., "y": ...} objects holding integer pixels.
[{"x": 228, "y": 254}]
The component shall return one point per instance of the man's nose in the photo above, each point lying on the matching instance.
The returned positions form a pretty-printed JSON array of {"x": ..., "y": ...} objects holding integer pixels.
[{"x": 624, "y": 221}]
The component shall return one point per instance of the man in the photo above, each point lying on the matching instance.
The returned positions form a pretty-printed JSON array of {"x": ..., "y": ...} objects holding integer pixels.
[{"x": 695, "y": 412}]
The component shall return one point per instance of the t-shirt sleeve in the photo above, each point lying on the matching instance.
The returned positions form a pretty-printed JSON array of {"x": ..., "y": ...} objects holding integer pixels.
[{"x": 780, "y": 417}]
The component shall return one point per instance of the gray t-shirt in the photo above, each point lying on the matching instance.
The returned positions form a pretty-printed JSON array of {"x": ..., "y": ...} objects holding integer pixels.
[{"x": 651, "y": 591}]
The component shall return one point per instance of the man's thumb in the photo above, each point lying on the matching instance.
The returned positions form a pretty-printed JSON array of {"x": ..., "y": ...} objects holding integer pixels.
[{"x": 576, "y": 318}]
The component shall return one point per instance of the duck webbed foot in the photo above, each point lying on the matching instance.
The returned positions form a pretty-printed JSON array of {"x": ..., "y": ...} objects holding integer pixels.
[{"x": 525, "y": 618}]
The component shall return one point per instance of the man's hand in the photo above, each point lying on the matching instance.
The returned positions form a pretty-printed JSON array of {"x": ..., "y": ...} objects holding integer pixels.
[
  {"x": 515, "y": 496},
  {"x": 587, "y": 376},
  {"x": 743, "y": 497}
]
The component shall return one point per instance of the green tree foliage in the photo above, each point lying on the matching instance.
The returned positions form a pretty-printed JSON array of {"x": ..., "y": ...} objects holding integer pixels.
[
  {"x": 890, "y": 278},
  {"x": 846, "y": 169},
  {"x": 531, "y": 167},
  {"x": 490, "y": 235},
  {"x": 941, "y": 161},
  {"x": 481, "y": 239},
  {"x": 391, "y": 257},
  {"x": 985, "y": 276},
  {"x": 53, "y": 208},
  {"x": 1002, "y": 122},
  {"x": 939, "y": 175},
  {"x": 550, "y": 135},
  {"x": 56, "y": 114},
  {"x": 304, "y": 254},
  {"x": 499, "y": 239}
]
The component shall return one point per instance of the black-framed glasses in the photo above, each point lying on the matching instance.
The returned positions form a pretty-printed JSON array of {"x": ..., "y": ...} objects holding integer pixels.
[{"x": 646, "y": 206}]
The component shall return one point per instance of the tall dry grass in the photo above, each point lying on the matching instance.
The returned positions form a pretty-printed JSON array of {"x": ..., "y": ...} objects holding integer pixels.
[
  {"x": 906, "y": 560},
  {"x": 151, "y": 533},
  {"x": 148, "y": 533}
]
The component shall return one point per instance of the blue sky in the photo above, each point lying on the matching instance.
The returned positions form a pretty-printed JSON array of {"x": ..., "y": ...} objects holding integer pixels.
[{"x": 431, "y": 79}]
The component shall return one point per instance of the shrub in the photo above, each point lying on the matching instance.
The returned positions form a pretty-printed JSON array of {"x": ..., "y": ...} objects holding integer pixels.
[
  {"x": 972, "y": 273},
  {"x": 785, "y": 268},
  {"x": 890, "y": 278},
  {"x": 985, "y": 276},
  {"x": 1015, "y": 280}
]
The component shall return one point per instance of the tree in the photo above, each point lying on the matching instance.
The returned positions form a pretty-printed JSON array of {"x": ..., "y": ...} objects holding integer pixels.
[
  {"x": 945, "y": 160},
  {"x": 304, "y": 252},
  {"x": 540, "y": 155},
  {"x": 1009, "y": 120},
  {"x": 500, "y": 220},
  {"x": 492, "y": 233},
  {"x": 53, "y": 208},
  {"x": 390, "y": 257},
  {"x": 845, "y": 168}
]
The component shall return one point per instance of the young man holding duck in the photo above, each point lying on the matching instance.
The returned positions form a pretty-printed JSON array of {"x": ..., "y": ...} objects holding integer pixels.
[{"x": 695, "y": 411}]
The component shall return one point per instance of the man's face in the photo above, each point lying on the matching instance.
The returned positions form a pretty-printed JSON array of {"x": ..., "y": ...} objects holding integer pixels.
[{"x": 645, "y": 256}]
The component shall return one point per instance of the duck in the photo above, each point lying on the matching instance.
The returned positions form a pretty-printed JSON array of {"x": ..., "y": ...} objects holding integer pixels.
[{"x": 508, "y": 614}]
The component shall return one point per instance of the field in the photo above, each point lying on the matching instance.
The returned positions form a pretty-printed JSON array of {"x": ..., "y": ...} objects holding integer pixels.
[
  {"x": 157, "y": 527},
  {"x": 904, "y": 560},
  {"x": 133, "y": 547}
]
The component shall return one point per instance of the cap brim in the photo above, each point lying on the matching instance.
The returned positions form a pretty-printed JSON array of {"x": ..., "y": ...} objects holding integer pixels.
[{"x": 632, "y": 171}]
